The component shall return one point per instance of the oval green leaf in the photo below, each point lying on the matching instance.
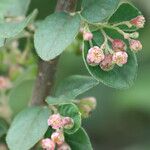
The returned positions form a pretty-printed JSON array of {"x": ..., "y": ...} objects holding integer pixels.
[
  {"x": 28, "y": 128},
  {"x": 79, "y": 140},
  {"x": 98, "y": 10},
  {"x": 119, "y": 77},
  {"x": 55, "y": 34},
  {"x": 71, "y": 110}
]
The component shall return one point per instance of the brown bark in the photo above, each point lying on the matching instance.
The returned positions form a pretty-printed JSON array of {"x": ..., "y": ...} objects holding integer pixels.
[{"x": 46, "y": 70}]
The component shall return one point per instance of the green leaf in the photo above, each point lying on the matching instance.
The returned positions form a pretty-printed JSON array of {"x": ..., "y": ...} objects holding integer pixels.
[
  {"x": 119, "y": 77},
  {"x": 75, "y": 85},
  {"x": 55, "y": 34},
  {"x": 3, "y": 127},
  {"x": 98, "y": 10},
  {"x": 14, "y": 7},
  {"x": 79, "y": 140},
  {"x": 20, "y": 95},
  {"x": 125, "y": 12},
  {"x": 28, "y": 128},
  {"x": 71, "y": 110},
  {"x": 8, "y": 30}
]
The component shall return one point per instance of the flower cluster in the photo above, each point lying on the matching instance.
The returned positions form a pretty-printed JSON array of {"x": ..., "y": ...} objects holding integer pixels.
[
  {"x": 114, "y": 51},
  {"x": 4, "y": 83},
  {"x": 58, "y": 123}
]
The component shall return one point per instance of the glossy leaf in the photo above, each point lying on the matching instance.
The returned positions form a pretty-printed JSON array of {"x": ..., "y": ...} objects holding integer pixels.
[
  {"x": 55, "y": 34},
  {"x": 119, "y": 77},
  {"x": 8, "y": 30},
  {"x": 75, "y": 85},
  {"x": 20, "y": 95},
  {"x": 98, "y": 10},
  {"x": 28, "y": 128},
  {"x": 71, "y": 110},
  {"x": 79, "y": 140},
  {"x": 125, "y": 12}
]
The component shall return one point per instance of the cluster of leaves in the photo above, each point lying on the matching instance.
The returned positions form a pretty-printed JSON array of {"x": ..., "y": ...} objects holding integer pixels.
[{"x": 52, "y": 37}]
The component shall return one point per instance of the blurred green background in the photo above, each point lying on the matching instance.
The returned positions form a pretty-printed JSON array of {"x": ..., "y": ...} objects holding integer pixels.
[{"x": 122, "y": 118}]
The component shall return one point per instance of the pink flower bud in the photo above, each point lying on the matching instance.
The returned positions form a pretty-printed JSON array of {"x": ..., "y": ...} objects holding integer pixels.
[
  {"x": 55, "y": 121},
  {"x": 118, "y": 45},
  {"x": 68, "y": 122},
  {"x": 58, "y": 137},
  {"x": 95, "y": 56},
  {"x": 48, "y": 144},
  {"x": 107, "y": 63},
  {"x": 139, "y": 21},
  {"x": 135, "y": 45},
  {"x": 64, "y": 146},
  {"x": 4, "y": 83},
  {"x": 87, "y": 36},
  {"x": 120, "y": 58}
]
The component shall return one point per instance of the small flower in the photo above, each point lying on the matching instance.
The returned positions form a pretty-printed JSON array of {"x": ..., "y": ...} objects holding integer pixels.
[
  {"x": 48, "y": 144},
  {"x": 118, "y": 45},
  {"x": 139, "y": 21},
  {"x": 87, "y": 36},
  {"x": 107, "y": 63},
  {"x": 68, "y": 122},
  {"x": 4, "y": 83},
  {"x": 58, "y": 137},
  {"x": 86, "y": 106},
  {"x": 95, "y": 56},
  {"x": 64, "y": 146},
  {"x": 120, "y": 58},
  {"x": 55, "y": 121},
  {"x": 135, "y": 45}
]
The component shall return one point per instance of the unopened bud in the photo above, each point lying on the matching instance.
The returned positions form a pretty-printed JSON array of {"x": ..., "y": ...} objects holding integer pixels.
[
  {"x": 134, "y": 35},
  {"x": 135, "y": 45},
  {"x": 118, "y": 45},
  {"x": 4, "y": 83},
  {"x": 87, "y": 36},
  {"x": 48, "y": 144},
  {"x": 68, "y": 122},
  {"x": 58, "y": 137},
  {"x": 139, "y": 21},
  {"x": 107, "y": 63},
  {"x": 86, "y": 106}
]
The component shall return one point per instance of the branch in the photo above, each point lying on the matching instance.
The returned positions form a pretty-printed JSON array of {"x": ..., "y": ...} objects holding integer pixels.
[{"x": 46, "y": 70}]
